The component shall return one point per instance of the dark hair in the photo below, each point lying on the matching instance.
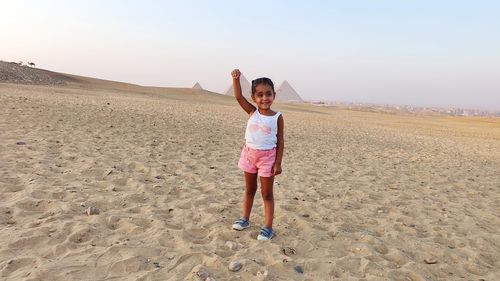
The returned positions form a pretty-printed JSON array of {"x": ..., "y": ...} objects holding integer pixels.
[{"x": 262, "y": 81}]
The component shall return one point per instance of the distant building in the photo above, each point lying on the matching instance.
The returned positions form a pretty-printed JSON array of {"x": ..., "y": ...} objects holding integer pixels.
[
  {"x": 286, "y": 92},
  {"x": 197, "y": 86}
]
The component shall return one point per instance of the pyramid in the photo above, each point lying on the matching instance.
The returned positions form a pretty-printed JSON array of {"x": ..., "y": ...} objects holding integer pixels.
[
  {"x": 197, "y": 86},
  {"x": 285, "y": 92},
  {"x": 246, "y": 88}
]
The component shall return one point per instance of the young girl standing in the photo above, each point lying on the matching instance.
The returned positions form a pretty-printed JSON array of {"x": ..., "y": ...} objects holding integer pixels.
[{"x": 263, "y": 151}]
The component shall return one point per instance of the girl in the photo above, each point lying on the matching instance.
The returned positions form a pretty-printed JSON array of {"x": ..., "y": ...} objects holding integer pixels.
[{"x": 263, "y": 150}]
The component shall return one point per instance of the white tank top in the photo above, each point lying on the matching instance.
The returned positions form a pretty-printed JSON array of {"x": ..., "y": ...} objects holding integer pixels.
[{"x": 261, "y": 132}]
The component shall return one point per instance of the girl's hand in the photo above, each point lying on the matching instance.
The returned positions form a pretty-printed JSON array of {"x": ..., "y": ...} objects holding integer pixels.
[
  {"x": 236, "y": 74},
  {"x": 276, "y": 169}
]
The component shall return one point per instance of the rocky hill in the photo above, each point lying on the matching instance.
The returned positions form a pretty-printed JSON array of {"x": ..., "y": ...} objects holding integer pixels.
[{"x": 11, "y": 72}]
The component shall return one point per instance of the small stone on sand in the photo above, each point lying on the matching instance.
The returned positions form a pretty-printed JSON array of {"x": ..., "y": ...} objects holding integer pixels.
[
  {"x": 93, "y": 211},
  {"x": 430, "y": 260},
  {"x": 202, "y": 275},
  {"x": 298, "y": 269},
  {"x": 235, "y": 266}
]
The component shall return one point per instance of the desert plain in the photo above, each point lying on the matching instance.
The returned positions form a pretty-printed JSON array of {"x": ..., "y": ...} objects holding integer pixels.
[{"x": 364, "y": 195}]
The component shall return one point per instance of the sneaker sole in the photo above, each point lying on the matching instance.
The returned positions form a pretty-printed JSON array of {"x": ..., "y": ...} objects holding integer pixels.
[
  {"x": 263, "y": 238},
  {"x": 239, "y": 227}
]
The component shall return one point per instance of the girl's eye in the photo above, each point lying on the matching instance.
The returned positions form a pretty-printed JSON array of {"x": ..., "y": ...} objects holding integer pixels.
[{"x": 268, "y": 94}]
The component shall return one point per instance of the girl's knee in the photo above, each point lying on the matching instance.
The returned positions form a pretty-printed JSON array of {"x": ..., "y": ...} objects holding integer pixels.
[
  {"x": 251, "y": 192},
  {"x": 267, "y": 196}
]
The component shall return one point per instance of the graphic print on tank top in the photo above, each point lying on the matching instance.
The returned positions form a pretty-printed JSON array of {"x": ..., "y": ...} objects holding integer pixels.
[
  {"x": 261, "y": 131},
  {"x": 254, "y": 128}
]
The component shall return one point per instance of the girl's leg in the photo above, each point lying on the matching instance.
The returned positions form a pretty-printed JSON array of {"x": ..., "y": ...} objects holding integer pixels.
[
  {"x": 250, "y": 190},
  {"x": 267, "y": 195}
]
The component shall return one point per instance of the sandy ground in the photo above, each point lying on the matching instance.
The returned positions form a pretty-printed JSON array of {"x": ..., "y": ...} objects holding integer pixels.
[{"x": 363, "y": 196}]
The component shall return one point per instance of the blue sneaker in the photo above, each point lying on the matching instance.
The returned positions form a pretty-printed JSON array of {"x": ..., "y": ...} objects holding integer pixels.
[
  {"x": 241, "y": 224},
  {"x": 266, "y": 233}
]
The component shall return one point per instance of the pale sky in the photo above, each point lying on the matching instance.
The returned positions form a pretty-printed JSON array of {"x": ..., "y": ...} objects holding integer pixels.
[{"x": 422, "y": 52}]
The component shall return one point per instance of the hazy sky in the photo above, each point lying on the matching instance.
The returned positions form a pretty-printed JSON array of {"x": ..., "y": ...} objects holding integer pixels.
[{"x": 433, "y": 53}]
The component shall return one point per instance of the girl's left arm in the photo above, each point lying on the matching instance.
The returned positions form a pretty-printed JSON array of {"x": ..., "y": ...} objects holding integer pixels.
[{"x": 279, "y": 146}]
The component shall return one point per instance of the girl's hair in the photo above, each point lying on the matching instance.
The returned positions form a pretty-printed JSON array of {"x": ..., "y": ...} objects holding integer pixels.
[{"x": 262, "y": 81}]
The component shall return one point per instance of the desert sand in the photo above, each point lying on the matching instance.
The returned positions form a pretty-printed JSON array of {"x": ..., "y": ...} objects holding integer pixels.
[{"x": 363, "y": 195}]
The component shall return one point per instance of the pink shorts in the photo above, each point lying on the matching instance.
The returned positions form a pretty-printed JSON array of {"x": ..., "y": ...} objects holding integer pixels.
[{"x": 257, "y": 161}]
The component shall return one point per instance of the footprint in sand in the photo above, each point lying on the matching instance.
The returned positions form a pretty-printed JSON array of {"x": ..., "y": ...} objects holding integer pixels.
[
  {"x": 196, "y": 236},
  {"x": 15, "y": 264},
  {"x": 81, "y": 235}
]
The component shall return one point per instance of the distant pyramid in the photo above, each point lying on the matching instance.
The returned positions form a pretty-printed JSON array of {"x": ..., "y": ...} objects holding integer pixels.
[
  {"x": 197, "y": 86},
  {"x": 246, "y": 88},
  {"x": 285, "y": 92}
]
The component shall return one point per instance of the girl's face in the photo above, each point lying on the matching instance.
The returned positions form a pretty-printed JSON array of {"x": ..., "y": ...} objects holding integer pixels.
[{"x": 263, "y": 96}]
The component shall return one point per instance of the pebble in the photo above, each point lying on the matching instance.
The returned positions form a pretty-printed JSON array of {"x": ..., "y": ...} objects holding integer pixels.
[
  {"x": 93, "y": 211},
  {"x": 430, "y": 260},
  {"x": 210, "y": 279},
  {"x": 298, "y": 269},
  {"x": 21, "y": 143},
  {"x": 235, "y": 266},
  {"x": 202, "y": 275}
]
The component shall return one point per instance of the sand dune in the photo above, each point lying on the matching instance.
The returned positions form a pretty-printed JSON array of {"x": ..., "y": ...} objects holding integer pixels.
[{"x": 363, "y": 196}]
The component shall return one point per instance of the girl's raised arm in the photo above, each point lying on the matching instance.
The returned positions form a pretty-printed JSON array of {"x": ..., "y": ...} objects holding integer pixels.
[{"x": 248, "y": 107}]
